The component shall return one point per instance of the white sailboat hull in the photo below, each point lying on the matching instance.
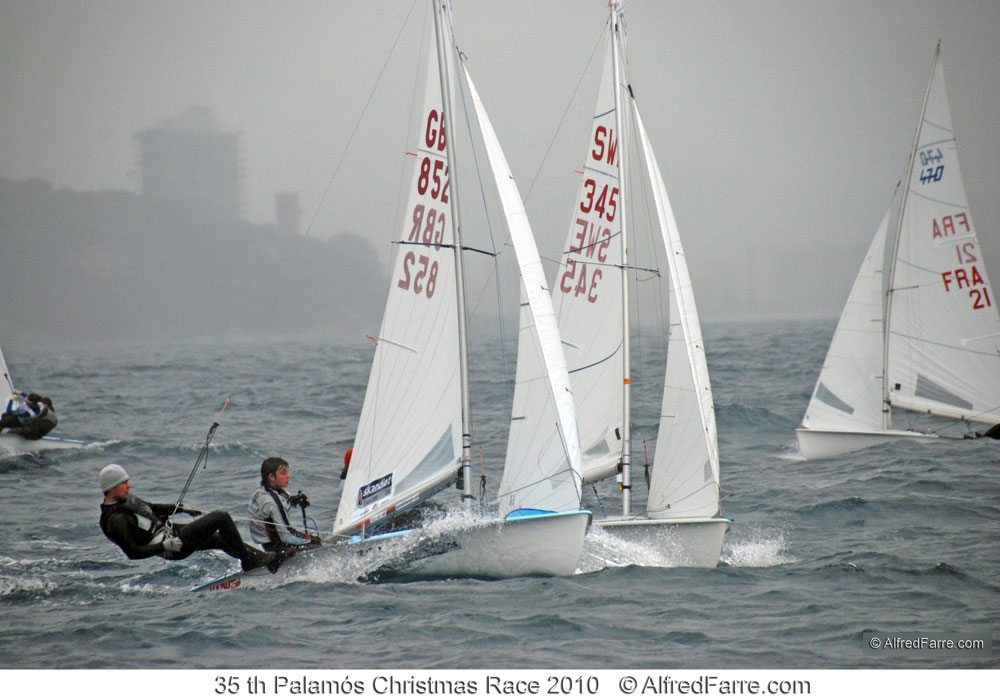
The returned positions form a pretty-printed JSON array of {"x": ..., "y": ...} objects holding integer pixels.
[
  {"x": 11, "y": 445},
  {"x": 694, "y": 542},
  {"x": 821, "y": 444},
  {"x": 546, "y": 544}
]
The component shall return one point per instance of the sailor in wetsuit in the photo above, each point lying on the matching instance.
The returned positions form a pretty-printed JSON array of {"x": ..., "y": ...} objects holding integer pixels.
[
  {"x": 269, "y": 507},
  {"x": 29, "y": 415},
  {"x": 141, "y": 529}
]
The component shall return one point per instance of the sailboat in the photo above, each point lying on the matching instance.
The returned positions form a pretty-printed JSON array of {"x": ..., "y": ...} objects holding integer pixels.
[
  {"x": 920, "y": 330},
  {"x": 414, "y": 434},
  {"x": 682, "y": 519},
  {"x": 11, "y": 443},
  {"x": 7, "y": 384}
]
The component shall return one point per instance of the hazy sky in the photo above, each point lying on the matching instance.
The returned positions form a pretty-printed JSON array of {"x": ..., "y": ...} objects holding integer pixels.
[{"x": 781, "y": 126}]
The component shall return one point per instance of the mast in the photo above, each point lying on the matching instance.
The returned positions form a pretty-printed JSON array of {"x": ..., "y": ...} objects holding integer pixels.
[
  {"x": 443, "y": 49},
  {"x": 626, "y": 476},
  {"x": 886, "y": 407}
]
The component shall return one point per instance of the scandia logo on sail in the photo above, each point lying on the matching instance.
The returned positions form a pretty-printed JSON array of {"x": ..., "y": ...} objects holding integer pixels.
[{"x": 369, "y": 493}]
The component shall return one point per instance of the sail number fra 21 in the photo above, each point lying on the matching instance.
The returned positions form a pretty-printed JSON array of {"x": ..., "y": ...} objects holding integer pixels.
[{"x": 962, "y": 277}]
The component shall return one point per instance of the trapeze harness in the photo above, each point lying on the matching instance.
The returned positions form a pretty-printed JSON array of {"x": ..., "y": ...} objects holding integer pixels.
[{"x": 274, "y": 539}]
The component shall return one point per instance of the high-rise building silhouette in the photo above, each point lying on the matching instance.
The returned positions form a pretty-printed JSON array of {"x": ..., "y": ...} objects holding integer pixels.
[{"x": 190, "y": 161}]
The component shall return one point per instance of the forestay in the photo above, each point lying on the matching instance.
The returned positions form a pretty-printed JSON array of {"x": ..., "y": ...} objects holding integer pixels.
[
  {"x": 409, "y": 434},
  {"x": 542, "y": 468}
]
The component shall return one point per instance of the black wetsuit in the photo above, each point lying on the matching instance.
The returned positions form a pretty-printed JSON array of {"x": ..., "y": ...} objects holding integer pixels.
[
  {"x": 138, "y": 528},
  {"x": 31, "y": 422}
]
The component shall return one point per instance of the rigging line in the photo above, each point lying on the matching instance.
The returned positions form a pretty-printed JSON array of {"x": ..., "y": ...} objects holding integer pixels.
[
  {"x": 404, "y": 170},
  {"x": 599, "y": 361},
  {"x": 461, "y": 60},
  {"x": 583, "y": 74},
  {"x": 269, "y": 312},
  {"x": 449, "y": 246},
  {"x": 652, "y": 250},
  {"x": 594, "y": 243},
  {"x": 336, "y": 170},
  {"x": 357, "y": 124}
]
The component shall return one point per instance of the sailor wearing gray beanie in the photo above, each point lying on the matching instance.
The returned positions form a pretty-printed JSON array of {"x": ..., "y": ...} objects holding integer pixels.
[
  {"x": 144, "y": 529},
  {"x": 111, "y": 476}
]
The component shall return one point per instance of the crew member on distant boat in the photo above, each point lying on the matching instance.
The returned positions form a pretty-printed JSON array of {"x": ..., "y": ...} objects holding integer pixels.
[
  {"x": 29, "y": 415},
  {"x": 143, "y": 529},
  {"x": 269, "y": 507},
  {"x": 347, "y": 463}
]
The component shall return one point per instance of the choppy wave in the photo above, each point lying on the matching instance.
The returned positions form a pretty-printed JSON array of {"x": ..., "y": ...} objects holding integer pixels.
[{"x": 897, "y": 539}]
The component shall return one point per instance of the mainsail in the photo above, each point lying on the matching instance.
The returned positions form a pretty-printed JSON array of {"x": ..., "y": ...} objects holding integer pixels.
[
  {"x": 409, "y": 435},
  {"x": 588, "y": 294},
  {"x": 943, "y": 337}
]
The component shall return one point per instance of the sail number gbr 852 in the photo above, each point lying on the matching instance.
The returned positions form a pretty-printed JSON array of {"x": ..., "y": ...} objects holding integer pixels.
[
  {"x": 428, "y": 218},
  {"x": 596, "y": 211}
]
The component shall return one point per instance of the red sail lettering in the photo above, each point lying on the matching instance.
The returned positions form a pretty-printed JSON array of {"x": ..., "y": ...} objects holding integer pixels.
[
  {"x": 612, "y": 150},
  {"x": 963, "y": 219},
  {"x": 581, "y": 283},
  {"x": 976, "y": 277},
  {"x": 599, "y": 147},
  {"x": 592, "y": 294},
  {"x": 602, "y": 250},
  {"x": 946, "y": 227},
  {"x": 565, "y": 281},
  {"x": 605, "y": 145},
  {"x": 581, "y": 236},
  {"x": 592, "y": 241},
  {"x": 587, "y": 198},
  {"x": 418, "y": 217},
  {"x": 432, "y": 133}
]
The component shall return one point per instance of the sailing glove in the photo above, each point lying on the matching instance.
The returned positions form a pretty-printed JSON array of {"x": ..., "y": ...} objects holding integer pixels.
[{"x": 172, "y": 544}]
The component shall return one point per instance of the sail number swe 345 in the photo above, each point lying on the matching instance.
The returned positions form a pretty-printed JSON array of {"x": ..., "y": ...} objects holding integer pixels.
[
  {"x": 428, "y": 219},
  {"x": 596, "y": 210}
]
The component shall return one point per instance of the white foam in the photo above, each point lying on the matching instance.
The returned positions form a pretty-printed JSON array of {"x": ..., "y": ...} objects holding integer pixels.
[{"x": 756, "y": 547}]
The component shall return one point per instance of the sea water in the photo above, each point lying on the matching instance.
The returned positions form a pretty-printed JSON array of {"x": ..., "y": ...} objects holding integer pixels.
[{"x": 898, "y": 540}]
